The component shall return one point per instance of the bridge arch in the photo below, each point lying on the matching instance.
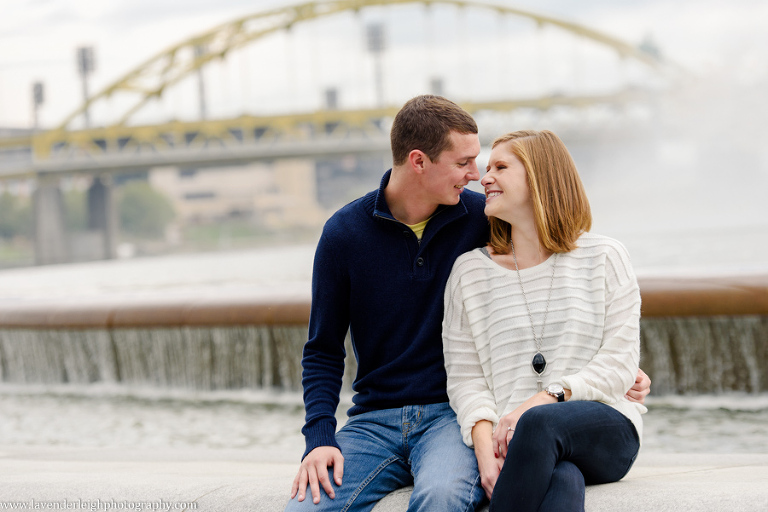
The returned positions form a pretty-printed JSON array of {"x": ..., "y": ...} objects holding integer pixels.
[{"x": 154, "y": 76}]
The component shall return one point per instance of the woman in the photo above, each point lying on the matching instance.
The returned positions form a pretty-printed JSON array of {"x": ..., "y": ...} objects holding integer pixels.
[{"x": 541, "y": 336}]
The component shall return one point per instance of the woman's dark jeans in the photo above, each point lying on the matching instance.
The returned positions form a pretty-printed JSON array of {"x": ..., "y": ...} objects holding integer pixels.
[{"x": 557, "y": 449}]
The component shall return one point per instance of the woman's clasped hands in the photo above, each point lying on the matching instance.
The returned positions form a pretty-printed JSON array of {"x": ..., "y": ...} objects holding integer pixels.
[
  {"x": 488, "y": 461},
  {"x": 505, "y": 430},
  {"x": 491, "y": 444}
]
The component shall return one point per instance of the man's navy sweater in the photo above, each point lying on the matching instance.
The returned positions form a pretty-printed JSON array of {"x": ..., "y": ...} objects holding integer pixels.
[{"x": 374, "y": 277}]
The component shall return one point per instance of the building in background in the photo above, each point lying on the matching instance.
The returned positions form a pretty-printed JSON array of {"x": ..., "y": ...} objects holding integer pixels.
[{"x": 277, "y": 195}]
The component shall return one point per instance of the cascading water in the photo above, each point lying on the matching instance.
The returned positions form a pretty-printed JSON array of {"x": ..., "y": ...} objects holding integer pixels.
[
  {"x": 184, "y": 357},
  {"x": 691, "y": 355},
  {"x": 682, "y": 355}
]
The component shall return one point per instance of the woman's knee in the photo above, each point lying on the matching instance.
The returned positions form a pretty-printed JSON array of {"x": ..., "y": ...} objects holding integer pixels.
[{"x": 539, "y": 422}]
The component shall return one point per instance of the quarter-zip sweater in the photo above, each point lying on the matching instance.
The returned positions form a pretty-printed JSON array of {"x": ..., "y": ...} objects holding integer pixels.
[{"x": 372, "y": 276}]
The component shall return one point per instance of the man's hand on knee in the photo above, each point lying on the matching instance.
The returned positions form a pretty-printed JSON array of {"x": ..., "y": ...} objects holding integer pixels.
[
  {"x": 640, "y": 389},
  {"x": 314, "y": 470}
]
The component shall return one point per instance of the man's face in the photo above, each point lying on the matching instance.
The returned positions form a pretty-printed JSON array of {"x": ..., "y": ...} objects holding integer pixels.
[{"x": 449, "y": 173}]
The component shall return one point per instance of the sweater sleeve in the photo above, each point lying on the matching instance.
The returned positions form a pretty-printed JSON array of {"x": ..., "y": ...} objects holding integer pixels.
[
  {"x": 469, "y": 392},
  {"x": 611, "y": 372},
  {"x": 323, "y": 357}
]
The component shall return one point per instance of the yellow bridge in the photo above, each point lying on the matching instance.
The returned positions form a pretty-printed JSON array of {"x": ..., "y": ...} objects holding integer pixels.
[
  {"x": 125, "y": 144},
  {"x": 121, "y": 146}
]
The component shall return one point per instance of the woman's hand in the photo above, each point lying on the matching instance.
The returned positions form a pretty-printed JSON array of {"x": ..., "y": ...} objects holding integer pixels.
[
  {"x": 490, "y": 467},
  {"x": 506, "y": 427},
  {"x": 488, "y": 463}
]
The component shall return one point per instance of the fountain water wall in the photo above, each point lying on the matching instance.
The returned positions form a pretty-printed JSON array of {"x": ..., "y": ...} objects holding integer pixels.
[
  {"x": 682, "y": 355},
  {"x": 697, "y": 336},
  {"x": 185, "y": 357},
  {"x": 691, "y": 355}
]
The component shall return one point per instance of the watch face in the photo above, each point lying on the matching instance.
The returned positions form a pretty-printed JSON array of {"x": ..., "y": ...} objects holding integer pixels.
[{"x": 554, "y": 389}]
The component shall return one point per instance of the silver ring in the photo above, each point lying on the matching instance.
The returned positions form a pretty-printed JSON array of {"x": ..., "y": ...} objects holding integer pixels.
[{"x": 510, "y": 429}]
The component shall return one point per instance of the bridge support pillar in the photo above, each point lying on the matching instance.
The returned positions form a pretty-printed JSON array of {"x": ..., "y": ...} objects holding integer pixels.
[
  {"x": 102, "y": 214},
  {"x": 50, "y": 232}
]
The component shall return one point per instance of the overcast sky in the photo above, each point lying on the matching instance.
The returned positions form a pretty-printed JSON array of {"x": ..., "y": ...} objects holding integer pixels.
[{"x": 38, "y": 40}]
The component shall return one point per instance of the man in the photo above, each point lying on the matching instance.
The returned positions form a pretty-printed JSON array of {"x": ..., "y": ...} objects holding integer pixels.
[{"x": 380, "y": 271}]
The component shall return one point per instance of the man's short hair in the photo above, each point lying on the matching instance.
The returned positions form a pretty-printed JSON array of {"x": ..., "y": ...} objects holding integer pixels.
[{"x": 425, "y": 123}]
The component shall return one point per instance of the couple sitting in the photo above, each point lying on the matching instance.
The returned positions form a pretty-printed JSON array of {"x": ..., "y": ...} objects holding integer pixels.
[{"x": 524, "y": 348}]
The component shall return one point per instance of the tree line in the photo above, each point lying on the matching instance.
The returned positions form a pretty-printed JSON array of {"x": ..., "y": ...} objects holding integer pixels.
[{"x": 143, "y": 212}]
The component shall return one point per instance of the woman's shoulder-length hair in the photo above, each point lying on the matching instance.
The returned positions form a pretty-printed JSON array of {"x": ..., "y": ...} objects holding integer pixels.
[{"x": 560, "y": 204}]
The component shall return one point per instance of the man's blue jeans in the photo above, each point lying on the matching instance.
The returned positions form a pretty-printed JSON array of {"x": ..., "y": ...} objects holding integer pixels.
[
  {"x": 557, "y": 449},
  {"x": 417, "y": 445}
]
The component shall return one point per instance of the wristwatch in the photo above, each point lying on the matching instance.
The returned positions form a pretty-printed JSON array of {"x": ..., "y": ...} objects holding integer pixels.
[{"x": 556, "y": 390}]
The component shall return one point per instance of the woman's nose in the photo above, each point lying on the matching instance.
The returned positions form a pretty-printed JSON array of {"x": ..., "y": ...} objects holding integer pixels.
[{"x": 486, "y": 180}]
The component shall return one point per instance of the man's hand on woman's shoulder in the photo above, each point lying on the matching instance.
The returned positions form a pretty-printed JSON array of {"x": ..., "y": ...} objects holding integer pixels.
[{"x": 640, "y": 389}]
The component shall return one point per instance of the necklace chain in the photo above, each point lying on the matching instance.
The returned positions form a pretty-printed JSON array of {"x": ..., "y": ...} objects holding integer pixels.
[{"x": 536, "y": 340}]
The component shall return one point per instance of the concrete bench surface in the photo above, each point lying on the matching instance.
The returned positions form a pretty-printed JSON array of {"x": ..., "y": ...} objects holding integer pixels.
[{"x": 259, "y": 481}]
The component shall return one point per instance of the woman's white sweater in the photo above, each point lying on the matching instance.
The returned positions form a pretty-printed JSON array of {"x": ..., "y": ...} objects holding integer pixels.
[{"x": 591, "y": 338}]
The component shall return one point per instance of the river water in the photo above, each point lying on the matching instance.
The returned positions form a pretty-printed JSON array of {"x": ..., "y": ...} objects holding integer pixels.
[{"x": 254, "y": 421}]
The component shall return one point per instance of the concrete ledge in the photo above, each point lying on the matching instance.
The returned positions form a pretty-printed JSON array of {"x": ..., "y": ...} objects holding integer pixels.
[
  {"x": 704, "y": 295},
  {"x": 248, "y": 481},
  {"x": 117, "y": 313},
  {"x": 662, "y": 297}
]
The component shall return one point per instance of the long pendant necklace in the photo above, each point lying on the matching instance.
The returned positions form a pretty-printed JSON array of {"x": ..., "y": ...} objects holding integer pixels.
[{"x": 538, "y": 363}]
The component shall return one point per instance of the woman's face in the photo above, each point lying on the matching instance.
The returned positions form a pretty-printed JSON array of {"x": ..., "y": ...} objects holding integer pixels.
[{"x": 507, "y": 195}]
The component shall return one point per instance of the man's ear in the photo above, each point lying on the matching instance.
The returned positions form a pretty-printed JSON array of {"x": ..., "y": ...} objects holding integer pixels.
[{"x": 417, "y": 159}]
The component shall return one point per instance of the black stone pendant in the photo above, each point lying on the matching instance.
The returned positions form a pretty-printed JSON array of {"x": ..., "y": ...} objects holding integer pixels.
[{"x": 538, "y": 363}]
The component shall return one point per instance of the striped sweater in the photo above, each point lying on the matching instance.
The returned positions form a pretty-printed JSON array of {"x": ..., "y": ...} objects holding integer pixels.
[{"x": 591, "y": 339}]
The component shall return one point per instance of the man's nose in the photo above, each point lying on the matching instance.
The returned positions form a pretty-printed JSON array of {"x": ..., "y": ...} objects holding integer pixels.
[{"x": 474, "y": 173}]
